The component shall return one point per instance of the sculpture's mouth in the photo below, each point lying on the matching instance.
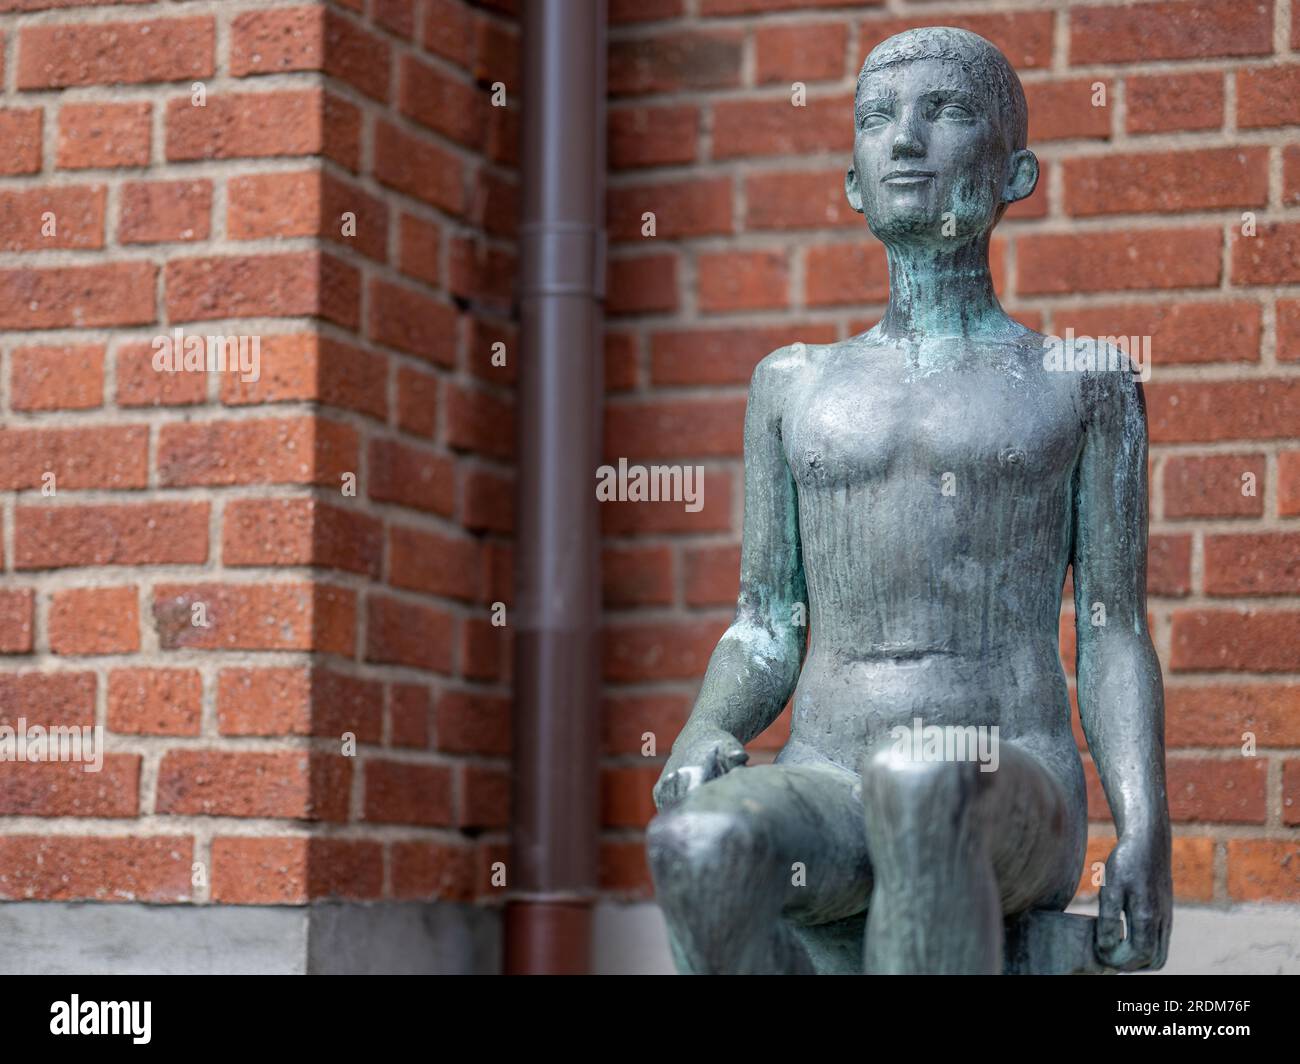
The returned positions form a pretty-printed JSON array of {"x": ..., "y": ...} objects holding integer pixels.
[{"x": 907, "y": 177}]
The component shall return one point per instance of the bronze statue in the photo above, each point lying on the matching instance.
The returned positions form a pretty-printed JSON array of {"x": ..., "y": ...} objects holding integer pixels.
[{"x": 919, "y": 490}]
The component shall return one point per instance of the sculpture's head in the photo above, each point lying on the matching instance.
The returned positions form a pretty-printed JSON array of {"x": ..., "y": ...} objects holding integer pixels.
[{"x": 939, "y": 144}]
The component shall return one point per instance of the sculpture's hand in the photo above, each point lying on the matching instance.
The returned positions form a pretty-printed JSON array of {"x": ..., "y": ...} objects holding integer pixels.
[
  {"x": 699, "y": 755},
  {"x": 1140, "y": 885}
]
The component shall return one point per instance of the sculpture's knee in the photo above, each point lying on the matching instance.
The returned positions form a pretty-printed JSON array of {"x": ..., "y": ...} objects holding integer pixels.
[
  {"x": 898, "y": 785},
  {"x": 698, "y": 849}
]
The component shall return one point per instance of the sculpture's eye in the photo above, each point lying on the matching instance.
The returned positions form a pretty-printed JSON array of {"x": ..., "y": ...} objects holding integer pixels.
[
  {"x": 954, "y": 112},
  {"x": 875, "y": 120}
]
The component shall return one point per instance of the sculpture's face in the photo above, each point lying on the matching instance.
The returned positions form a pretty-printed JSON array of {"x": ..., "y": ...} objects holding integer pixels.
[{"x": 930, "y": 159}]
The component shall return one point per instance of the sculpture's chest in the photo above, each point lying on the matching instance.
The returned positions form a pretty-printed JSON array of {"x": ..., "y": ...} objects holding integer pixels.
[{"x": 850, "y": 429}]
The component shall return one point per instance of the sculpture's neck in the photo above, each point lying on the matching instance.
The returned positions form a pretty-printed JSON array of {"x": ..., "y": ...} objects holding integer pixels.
[{"x": 939, "y": 292}]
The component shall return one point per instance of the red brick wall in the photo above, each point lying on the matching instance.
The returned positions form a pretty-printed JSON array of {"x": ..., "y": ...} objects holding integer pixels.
[
  {"x": 1136, "y": 229},
  {"x": 329, "y": 612}
]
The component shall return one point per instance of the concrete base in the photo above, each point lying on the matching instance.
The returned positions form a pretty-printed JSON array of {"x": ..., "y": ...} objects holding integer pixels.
[
  {"x": 328, "y": 938},
  {"x": 1238, "y": 940}
]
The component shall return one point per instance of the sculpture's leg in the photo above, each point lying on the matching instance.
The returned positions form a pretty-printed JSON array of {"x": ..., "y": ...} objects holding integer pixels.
[
  {"x": 953, "y": 849},
  {"x": 742, "y": 855}
]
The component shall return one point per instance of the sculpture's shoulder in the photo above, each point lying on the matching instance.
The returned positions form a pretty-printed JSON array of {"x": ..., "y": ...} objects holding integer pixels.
[{"x": 1109, "y": 371}]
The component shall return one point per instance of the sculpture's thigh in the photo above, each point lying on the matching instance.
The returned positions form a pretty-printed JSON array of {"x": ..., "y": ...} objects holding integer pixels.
[
  {"x": 1036, "y": 838},
  {"x": 796, "y": 827}
]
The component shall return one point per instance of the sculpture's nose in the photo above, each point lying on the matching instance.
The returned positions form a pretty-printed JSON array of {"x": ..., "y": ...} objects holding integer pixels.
[{"x": 907, "y": 141}]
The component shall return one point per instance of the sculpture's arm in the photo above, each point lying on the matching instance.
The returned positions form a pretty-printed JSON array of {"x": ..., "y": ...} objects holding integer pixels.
[
  {"x": 755, "y": 666},
  {"x": 1121, "y": 697}
]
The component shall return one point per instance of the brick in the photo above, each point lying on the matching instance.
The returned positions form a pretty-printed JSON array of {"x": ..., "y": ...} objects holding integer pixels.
[
  {"x": 410, "y": 713},
  {"x": 675, "y": 62},
  {"x": 1263, "y": 869},
  {"x": 143, "y": 701},
  {"x": 1221, "y": 714},
  {"x": 104, "y": 457},
  {"x": 255, "y": 125},
  {"x": 433, "y": 563},
  {"x": 417, "y": 402},
  {"x": 159, "y": 212},
  {"x": 432, "y": 870},
  {"x": 77, "y": 297},
  {"x": 420, "y": 254},
  {"x": 403, "y": 633},
  {"x": 838, "y": 274},
  {"x": 301, "y": 532},
  {"x": 1183, "y": 332},
  {"x": 99, "y": 620},
  {"x": 813, "y": 51},
  {"x": 1268, "y": 97},
  {"x": 723, "y": 355},
  {"x": 1215, "y": 791},
  {"x": 400, "y": 792},
  {"x": 106, "y": 135},
  {"x": 680, "y": 208},
  {"x": 49, "y": 536},
  {"x": 417, "y": 168},
  {"x": 282, "y": 616},
  {"x": 1209, "y": 411},
  {"x": 484, "y": 797},
  {"x": 478, "y": 421},
  {"x": 21, "y": 132},
  {"x": 1196, "y": 29},
  {"x": 749, "y": 280},
  {"x": 305, "y": 366},
  {"x": 626, "y": 795},
  {"x": 298, "y": 701},
  {"x": 488, "y": 502},
  {"x": 637, "y": 576},
  {"x": 1263, "y": 563},
  {"x": 57, "y": 378},
  {"x": 397, "y": 15},
  {"x": 1049, "y": 263},
  {"x": 481, "y": 649},
  {"x": 443, "y": 103},
  {"x": 47, "y": 698},
  {"x": 480, "y": 273},
  {"x": 291, "y": 450},
  {"x": 641, "y": 137},
  {"x": 472, "y": 723},
  {"x": 1288, "y": 489},
  {"x": 139, "y": 384},
  {"x": 1241, "y": 640},
  {"x": 1147, "y": 182},
  {"x": 673, "y": 428},
  {"x": 1064, "y": 110},
  {"x": 1271, "y": 256},
  {"x": 274, "y": 42},
  {"x": 809, "y": 199},
  {"x": 644, "y": 518},
  {"x": 643, "y": 284},
  {"x": 712, "y": 575},
  {"x": 17, "y": 620},
  {"x": 624, "y": 869},
  {"x": 1160, "y": 103},
  {"x": 52, "y": 218},
  {"x": 288, "y": 285},
  {"x": 410, "y": 477},
  {"x": 627, "y": 719},
  {"x": 274, "y": 871},
  {"x": 154, "y": 868},
  {"x": 290, "y": 784},
  {"x": 659, "y": 651},
  {"x": 67, "y": 789},
  {"x": 115, "y": 53},
  {"x": 410, "y": 321},
  {"x": 1213, "y": 485},
  {"x": 749, "y": 128},
  {"x": 1291, "y": 792}
]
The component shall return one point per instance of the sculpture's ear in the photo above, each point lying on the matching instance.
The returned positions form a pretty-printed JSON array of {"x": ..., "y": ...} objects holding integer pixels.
[
  {"x": 1023, "y": 177},
  {"x": 852, "y": 191}
]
